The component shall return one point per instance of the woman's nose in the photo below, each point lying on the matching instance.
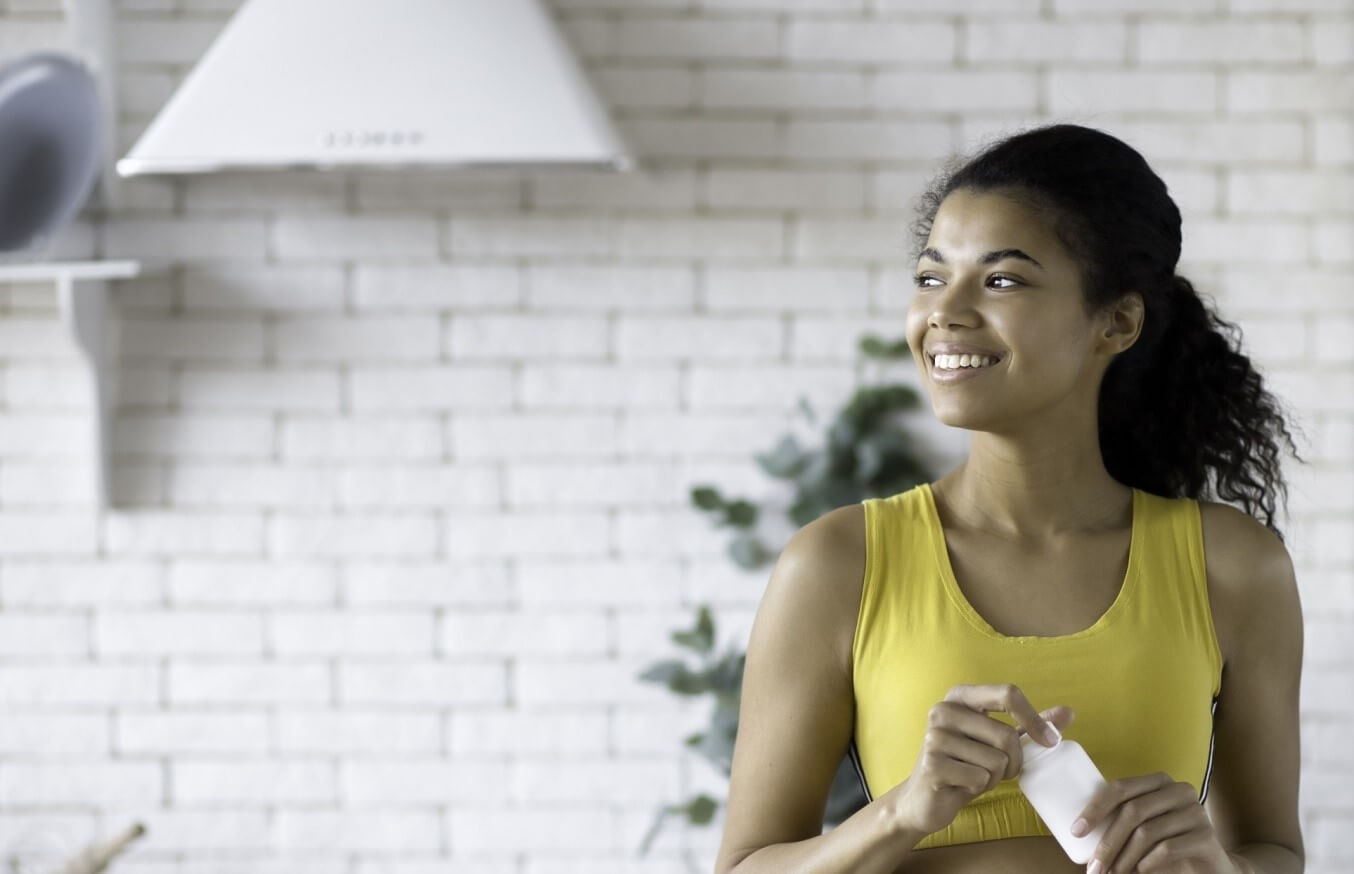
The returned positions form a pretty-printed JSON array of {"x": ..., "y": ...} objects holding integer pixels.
[{"x": 951, "y": 305}]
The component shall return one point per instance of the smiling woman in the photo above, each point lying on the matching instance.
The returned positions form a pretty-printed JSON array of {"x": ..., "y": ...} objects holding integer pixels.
[{"x": 1072, "y": 570}]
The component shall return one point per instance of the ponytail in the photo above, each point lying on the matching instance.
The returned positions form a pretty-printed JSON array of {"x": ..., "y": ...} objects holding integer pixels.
[{"x": 1184, "y": 413}]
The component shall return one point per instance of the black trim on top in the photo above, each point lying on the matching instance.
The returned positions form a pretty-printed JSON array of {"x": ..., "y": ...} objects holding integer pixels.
[
  {"x": 860, "y": 770},
  {"x": 1208, "y": 771}
]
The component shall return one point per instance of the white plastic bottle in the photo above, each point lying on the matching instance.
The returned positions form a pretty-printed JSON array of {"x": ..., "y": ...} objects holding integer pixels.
[{"x": 1059, "y": 782}]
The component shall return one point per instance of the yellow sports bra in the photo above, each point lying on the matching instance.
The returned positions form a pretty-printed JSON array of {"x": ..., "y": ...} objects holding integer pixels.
[{"x": 1144, "y": 679}]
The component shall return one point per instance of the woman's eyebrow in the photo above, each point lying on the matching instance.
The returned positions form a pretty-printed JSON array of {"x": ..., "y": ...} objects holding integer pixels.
[{"x": 989, "y": 258}]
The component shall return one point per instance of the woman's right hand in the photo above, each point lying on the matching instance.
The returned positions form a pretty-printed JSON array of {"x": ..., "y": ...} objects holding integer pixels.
[{"x": 966, "y": 752}]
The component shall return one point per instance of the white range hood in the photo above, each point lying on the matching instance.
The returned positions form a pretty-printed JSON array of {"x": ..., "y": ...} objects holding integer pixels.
[{"x": 391, "y": 83}]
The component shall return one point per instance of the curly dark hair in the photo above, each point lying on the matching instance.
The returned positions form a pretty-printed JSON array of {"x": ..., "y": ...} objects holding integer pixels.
[{"x": 1182, "y": 412}]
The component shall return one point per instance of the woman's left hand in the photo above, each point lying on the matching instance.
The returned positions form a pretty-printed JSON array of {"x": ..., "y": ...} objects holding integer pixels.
[{"x": 1155, "y": 825}]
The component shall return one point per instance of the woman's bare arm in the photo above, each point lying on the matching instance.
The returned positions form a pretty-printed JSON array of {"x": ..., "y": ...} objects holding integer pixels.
[{"x": 796, "y": 719}]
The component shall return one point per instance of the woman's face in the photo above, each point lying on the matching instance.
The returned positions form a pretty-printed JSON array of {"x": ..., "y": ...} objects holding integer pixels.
[{"x": 994, "y": 277}]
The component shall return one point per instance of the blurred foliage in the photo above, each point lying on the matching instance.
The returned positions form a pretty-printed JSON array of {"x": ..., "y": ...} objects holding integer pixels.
[{"x": 867, "y": 453}]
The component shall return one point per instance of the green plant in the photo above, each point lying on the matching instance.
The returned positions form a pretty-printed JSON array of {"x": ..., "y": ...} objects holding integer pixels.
[{"x": 867, "y": 453}]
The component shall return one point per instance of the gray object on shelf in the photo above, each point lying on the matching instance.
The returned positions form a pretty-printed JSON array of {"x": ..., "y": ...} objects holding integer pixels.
[{"x": 51, "y": 147}]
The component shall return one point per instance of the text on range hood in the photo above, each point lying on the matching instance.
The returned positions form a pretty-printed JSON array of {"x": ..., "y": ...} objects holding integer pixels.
[{"x": 339, "y": 83}]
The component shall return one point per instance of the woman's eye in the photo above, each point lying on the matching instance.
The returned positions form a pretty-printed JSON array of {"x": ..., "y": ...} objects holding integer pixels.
[{"x": 926, "y": 281}]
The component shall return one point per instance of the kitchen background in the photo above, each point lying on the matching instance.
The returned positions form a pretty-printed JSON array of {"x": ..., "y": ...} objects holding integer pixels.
[{"x": 402, "y": 459}]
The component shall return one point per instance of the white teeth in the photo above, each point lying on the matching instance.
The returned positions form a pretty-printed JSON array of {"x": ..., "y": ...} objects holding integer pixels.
[{"x": 954, "y": 362}]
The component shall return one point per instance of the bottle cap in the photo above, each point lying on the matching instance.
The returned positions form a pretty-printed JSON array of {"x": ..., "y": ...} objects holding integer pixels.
[{"x": 1031, "y": 749}]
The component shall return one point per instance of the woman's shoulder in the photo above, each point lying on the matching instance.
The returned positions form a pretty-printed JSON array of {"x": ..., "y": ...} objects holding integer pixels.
[
  {"x": 829, "y": 555},
  {"x": 1246, "y": 564}
]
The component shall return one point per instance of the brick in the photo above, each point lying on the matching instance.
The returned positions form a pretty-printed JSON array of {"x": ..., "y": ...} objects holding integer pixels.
[
  {"x": 524, "y": 534},
  {"x": 260, "y": 389},
  {"x": 1291, "y": 193},
  {"x": 371, "y": 338},
  {"x": 1237, "y": 42},
  {"x": 488, "y": 828},
  {"x": 404, "y": 391},
  {"x": 591, "y": 486},
  {"x": 248, "y": 683},
  {"x": 213, "y": 833},
  {"x": 46, "y": 533},
  {"x": 864, "y": 41},
  {"x": 163, "y": 533},
  {"x": 195, "y": 436},
  {"x": 43, "y": 635},
  {"x": 343, "y": 439},
  {"x": 353, "y": 536},
  {"x": 548, "y": 733},
  {"x": 432, "y": 487},
  {"x": 1306, "y": 91},
  {"x": 342, "y": 238},
  {"x": 687, "y": 39},
  {"x": 787, "y": 90},
  {"x": 508, "y": 633},
  {"x": 600, "y": 387},
  {"x": 496, "y": 338},
  {"x": 186, "y": 238},
  {"x": 351, "y": 830},
  {"x": 867, "y": 140},
  {"x": 641, "y": 88},
  {"x": 67, "y": 785},
  {"x": 428, "y": 584},
  {"x": 350, "y": 633},
  {"x": 434, "y": 286},
  {"x": 426, "y": 684},
  {"x": 79, "y": 684},
  {"x": 956, "y": 91},
  {"x": 480, "y": 436},
  {"x": 650, "y": 189},
  {"x": 597, "y": 781},
  {"x": 1081, "y": 91},
  {"x": 723, "y": 338},
  {"x": 315, "y": 732},
  {"x": 51, "y": 734},
  {"x": 669, "y": 140},
  {"x": 997, "y": 40},
  {"x": 1334, "y": 141},
  {"x": 567, "y": 287},
  {"x": 705, "y": 238},
  {"x": 492, "y": 236},
  {"x": 162, "y": 633},
  {"x": 237, "y": 781},
  {"x": 248, "y": 583},
  {"x": 609, "y": 582},
  {"x": 252, "y": 486},
  {"x": 801, "y": 190},
  {"x": 175, "y": 732},
  {"x": 425, "y": 781}
]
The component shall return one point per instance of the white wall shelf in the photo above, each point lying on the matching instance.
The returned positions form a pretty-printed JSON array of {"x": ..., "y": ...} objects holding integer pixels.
[{"x": 82, "y": 292}]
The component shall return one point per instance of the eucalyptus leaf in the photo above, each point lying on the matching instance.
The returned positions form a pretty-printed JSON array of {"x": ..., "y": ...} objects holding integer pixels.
[
  {"x": 867, "y": 451},
  {"x": 706, "y": 498}
]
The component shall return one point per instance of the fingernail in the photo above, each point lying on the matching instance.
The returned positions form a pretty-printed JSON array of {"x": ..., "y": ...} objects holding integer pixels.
[
  {"x": 1079, "y": 827},
  {"x": 1094, "y": 867}
]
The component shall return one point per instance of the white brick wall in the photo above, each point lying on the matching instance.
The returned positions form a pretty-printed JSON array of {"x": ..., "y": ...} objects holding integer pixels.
[{"x": 403, "y": 458}]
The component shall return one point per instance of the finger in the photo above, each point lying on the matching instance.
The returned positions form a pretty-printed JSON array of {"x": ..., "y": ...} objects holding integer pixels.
[
  {"x": 944, "y": 772},
  {"x": 1137, "y": 823},
  {"x": 1006, "y": 698},
  {"x": 1114, "y": 794},
  {"x": 994, "y": 762},
  {"x": 1150, "y": 835}
]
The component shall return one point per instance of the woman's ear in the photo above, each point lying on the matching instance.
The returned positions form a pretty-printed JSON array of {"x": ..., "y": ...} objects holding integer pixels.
[{"x": 1123, "y": 323}]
